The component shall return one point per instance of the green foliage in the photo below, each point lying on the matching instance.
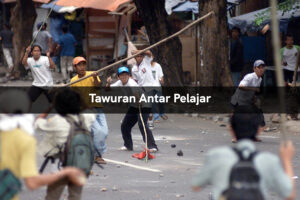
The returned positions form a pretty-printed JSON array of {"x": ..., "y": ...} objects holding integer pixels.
[{"x": 285, "y": 6}]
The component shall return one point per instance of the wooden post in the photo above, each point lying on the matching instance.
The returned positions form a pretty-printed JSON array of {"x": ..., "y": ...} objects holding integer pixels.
[{"x": 279, "y": 73}]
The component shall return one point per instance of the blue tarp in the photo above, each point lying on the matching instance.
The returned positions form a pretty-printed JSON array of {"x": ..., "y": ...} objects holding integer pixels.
[
  {"x": 56, "y": 8},
  {"x": 246, "y": 22},
  {"x": 189, "y": 6}
]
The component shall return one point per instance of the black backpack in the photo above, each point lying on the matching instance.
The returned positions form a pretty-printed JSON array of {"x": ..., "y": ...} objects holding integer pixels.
[{"x": 244, "y": 180}]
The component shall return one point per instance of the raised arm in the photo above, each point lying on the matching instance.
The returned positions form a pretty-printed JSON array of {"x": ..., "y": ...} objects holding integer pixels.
[
  {"x": 52, "y": 64},
  {"x": 27, "y": 52}
]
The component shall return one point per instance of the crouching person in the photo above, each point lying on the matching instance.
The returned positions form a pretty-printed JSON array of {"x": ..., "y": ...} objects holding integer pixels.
[
  {"x": 18, "y": 152},
  {"x": 67, "y": 137}
]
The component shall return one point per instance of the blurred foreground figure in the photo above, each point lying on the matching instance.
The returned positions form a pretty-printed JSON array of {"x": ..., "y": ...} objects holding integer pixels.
[
  {"x": 242, "y": 172},
  {"x": 18, "y": 151}
]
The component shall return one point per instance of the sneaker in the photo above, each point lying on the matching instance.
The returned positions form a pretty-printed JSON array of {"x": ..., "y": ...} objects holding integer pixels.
[
  {"x": 123, "y": 148},
  {"x": 153, "y": 150},
  {"x": 156, "y": 121},
  {"x": 100, "y": 160},
  {"x": 165, "y": 117}
]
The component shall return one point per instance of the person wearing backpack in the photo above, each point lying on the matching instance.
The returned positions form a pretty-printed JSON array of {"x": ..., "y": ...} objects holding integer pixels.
[
  {"x": 242, "y": 172},
  {"x": 72, "y": 141},
  {"x": 18, "y": 150}
]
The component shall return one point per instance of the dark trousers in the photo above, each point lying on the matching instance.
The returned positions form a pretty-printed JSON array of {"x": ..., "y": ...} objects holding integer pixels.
[
  {"x": 55, "y": 190},
  {"x": 131, "y": 118},
  {"x": 34, "y": 92},
  {"x": 289, "y": 75}
]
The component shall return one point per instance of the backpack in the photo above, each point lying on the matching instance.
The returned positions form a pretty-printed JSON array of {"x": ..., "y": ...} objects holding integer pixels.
[
  {"x": 244, "y": 180},
  {"x": 79, "y": 148}
]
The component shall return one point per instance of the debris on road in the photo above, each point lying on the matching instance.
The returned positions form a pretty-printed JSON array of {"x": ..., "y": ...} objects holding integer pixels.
[
  {"x": 179, "y": 153},
  {"x": 173, "y": 145}
]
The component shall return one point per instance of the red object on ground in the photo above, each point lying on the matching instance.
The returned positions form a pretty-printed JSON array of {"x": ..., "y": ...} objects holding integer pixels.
[{"x": 142, "y": 155}]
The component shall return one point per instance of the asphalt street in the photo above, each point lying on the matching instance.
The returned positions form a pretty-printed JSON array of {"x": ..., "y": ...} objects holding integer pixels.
[{"x": 168, "y": 176}]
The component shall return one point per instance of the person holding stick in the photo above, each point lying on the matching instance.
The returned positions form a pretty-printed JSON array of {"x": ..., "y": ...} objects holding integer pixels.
[
  {"x": 142, "y": 74},
  {"x": 133, "y": 116},
  {"x": 99, "y": 128},
  {"x": 40, "y": 67}
]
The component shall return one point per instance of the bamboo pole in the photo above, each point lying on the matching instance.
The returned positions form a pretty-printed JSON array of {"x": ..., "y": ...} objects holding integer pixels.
[
  {"x": 279, "y": 73},
  {"x": 144, "y": 50}
]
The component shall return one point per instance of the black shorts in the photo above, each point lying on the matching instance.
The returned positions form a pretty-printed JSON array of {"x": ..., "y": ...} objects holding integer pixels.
[
  {"x": 288, "y": 75},
  {"x": 34, "y": 92}
]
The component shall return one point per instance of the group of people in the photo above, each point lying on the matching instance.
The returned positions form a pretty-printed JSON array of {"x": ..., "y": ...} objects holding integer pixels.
[
  {"x": 64, "y": 48},
  {"x": 227, "y": 168},
  {"x": 289, "y": 56}
]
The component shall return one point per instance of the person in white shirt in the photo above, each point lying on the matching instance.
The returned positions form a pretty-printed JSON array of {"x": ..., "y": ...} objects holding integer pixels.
[
  {"x": 142, "y": 74},
  {"x": 158, "y": 77},
  {"x": 289, "y": 56},
  {"x": 245, "y": 93},
  {"x": 132, "y": 116},
  {"x": 40, "y": 67}
]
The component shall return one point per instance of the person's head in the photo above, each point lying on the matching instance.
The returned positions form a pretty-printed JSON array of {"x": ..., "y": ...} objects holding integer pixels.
[
  {"x": 44, "y": 26},
  {"x": 138, "y": 58},
  {"x": 123, "y": 74},
  {"x": 67, "y": 101},
  {"x": 36, "y": 51},
  {"x": 259, "y": 67},
  {"x": 79, "y": 64},
  {"x": 289, "y": 40},
  {"x": 235, "y": 33},
  {"x": 65, "y": 29},
  {"x": 38, "y": 26},
  {"x": 245, "y": 123},
  {"x": 14, "y": 102}
]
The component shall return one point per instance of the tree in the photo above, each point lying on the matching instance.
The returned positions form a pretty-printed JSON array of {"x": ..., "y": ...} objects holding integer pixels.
[
  {"x": 214, "y": 41},
  {"x": 22, "y": 21},
  {"x": 158, "y": 27}
]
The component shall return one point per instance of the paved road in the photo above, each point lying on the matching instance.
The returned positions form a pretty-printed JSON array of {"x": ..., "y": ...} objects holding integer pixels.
[{"x": 194, "y": 136}]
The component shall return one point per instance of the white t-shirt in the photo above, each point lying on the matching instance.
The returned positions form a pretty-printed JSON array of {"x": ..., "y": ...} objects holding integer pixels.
[
  {"x": 142, "y": 74},
  {"x": 157, "y": 74},
  {"x": 134, "y": 89},
  {"x": 130, "y": 83},
  {"x": 251, "y": 80},
  {"x": 41, "y": 73},
  {"x": 290, "y": 57}
]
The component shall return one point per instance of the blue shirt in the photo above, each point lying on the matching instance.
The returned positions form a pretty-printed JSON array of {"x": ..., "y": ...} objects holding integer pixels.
[{"x": 67, "y": 43}]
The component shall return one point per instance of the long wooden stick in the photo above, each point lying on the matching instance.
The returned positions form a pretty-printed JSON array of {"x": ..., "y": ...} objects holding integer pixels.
[
  {"x": 144, "y": 50},
  {"x": 279, "y": 73}
]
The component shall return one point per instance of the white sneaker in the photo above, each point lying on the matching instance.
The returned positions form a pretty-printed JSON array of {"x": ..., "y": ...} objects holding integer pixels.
[
  {"x": 153, "y": 150},
  {"x": 123, "y": 148}
]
